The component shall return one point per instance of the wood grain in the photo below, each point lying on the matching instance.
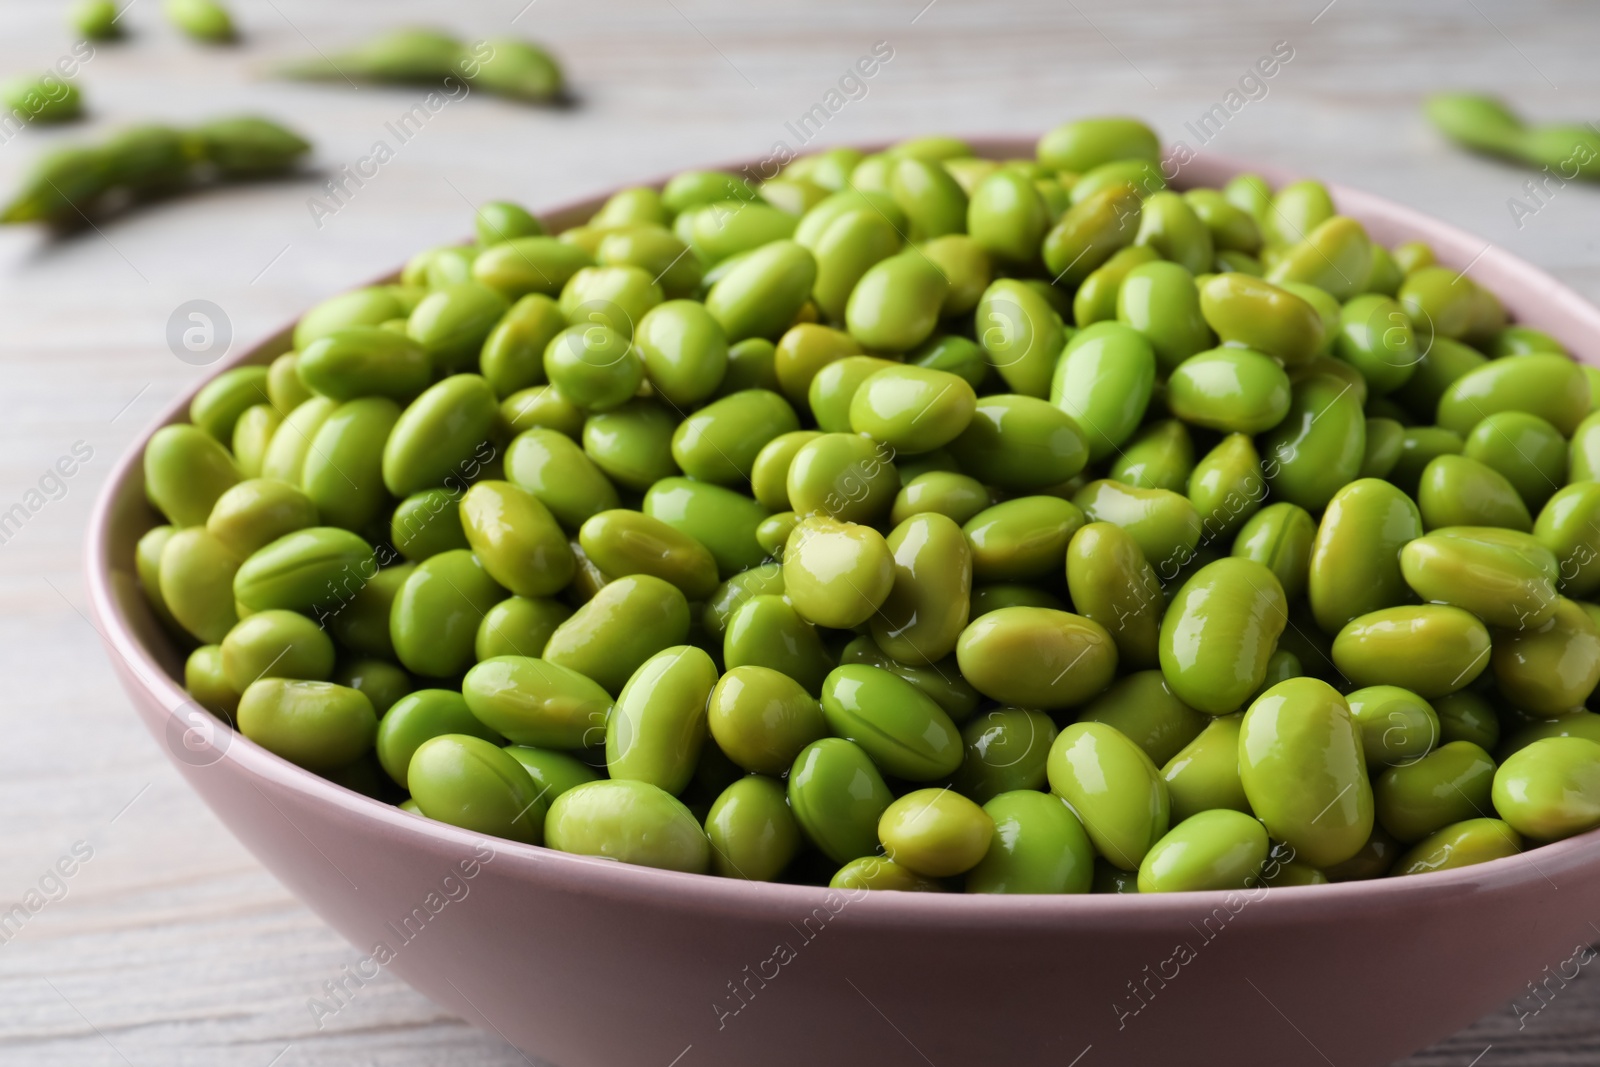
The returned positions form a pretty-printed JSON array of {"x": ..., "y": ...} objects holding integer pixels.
[{"x": 171, "y": 945}]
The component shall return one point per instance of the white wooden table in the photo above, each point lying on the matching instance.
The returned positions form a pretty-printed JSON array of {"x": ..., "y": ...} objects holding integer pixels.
[{"x": 169, "y": 945}]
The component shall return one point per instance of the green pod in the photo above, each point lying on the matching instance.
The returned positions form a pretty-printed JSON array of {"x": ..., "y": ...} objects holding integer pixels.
[
  {"x": 535, "y": 702},
  {"x": 1161, "y": 456},
  {"x": 185, "y": 471},
  {"x": 548, "y": 464},
  {"x": 1171, "y": 226},
  {"x": 1480, "y": 123},
  {"x": 526, "y": 265},
  {"x": 1319, "y": 445},
  {"x": 1509, "y": 582},
  {"x": 1039, "y": 846},
  {"x": 1205, "y": 773},
  {"x": 1397, "y": 727},
  {"x": 1233, "y": 229},
  {"x": 1385, "y": 441},
  {"x": 1033, "y": 657},
  {"x": 316, "y": 725},
  {"x": 540, "y": 407},
  {"x": 95, "y": 20},
  {"x": 851, "y": 245},
  {"x": 724, "y": 228},
  {"x": 204, "y": 681},
  {"x": 1226, "y": 487},
  {"x": 1007, "y": 217},
  {"x": 435, "y": 618},
  {"x": 1376, "y": 338},
  {"x": 427, "y": 523},
  {"x": 762, "y": 294},
  {"x": 1233, "y": 390},
  {"x": 1212, "y": 850},
  {"x": 1422, "y": 797},
  {"x": 1296, "y": 210},
  {"x": 1096, "y": 298},
  {"x": 197, "y": 579},
  {"x": 1021, "y": 334},
  {"x": 655, "y": 731},
  {"x": 1104, "y": 380},
  {"x": 359, "y": 617},
  {"x": 360, "y": 361},
  {"x": 1457, "y": 491},
  {"x": 1164, "y": 524},
  {"x": 220, "y": 402},
  {"x": 1003, "y": 750},
  {"x": 1280, "y": 537},
  {"x": 837, "y": 797},
  {"x": 512, "y": 357},
  {"x": 616, "y": 297},
  {"x": 516, "y": 539},
  {"x": 518, "y": 626},
  {"x": 1336, "y": 257},
  {"x": 1544, "y": 384},
  {"x": 439, "y": 434},
  {"x": 965, "y": 265},
  {"x": 252, "y": 435},
  {"x": 1111, "y": 582},
  {"x": 762, "y": 718},
  {"x": 1419, "y": 447},
  {"x": 1460, "y": 844},
  {"x": 753, "y": 835},
  {"x": 1550, "y": 669},
  {"x": 634, "y": 822},
  {"x": 1430, "y": 649},
  {"x": 419, "y": 717},
  {"x": 905, "y": 732},
  {"x": 285, "y": 456},
  {"x": 1261, "y": 316},
  {"x": 896, "y": 303},
  {"x": 257, "y": 512},
  {"x": 935, "y": 832},
  {"x": 955, "y": 496},
  {"x": 766, "y": 631},
  {"x": 276, "y": 644},
  {"x": 303, "y": 570},
  {"x": 846, "y": 476},
  {"x": 628, "y": 621},
  {"x": 656, "y": 251},
  {"x": 1356, "y": 559},
  {"x": 343, "y": 472},
  {"x": 1092, "y": 232},
  {"x": 1084, "y": 144},
  {"x": 452, "y": 323},
  {"x": 594, "y": 366},
  {"x": 1569, "y": 527},
  {"x": 1143, "y": 707},
  {"x": 1219, "y": 633},
  {"x": 721, "y": 519},
  {"x": 1022, "y": 539},
  {"x": 720, "y": 442},
  {"x": 1020, "y": 444},
  {"x": 622, "y": 542},
  {"x": 1301, "y": 764},
  {"x": 1526, "y": 450},
  {"x": 1113, "y": 789},
  {"x": 926, "y": 609},
  {"x": 1162, "y": 302},
  {"x": 684, "y": 349},
  {"x": 1550, "y": 789},
  {"x": 204, "y": 20},
  {"x": 837, "y": 574},
  {"x": 911, "y": 409},
  {"x": 632, "y": 443}
]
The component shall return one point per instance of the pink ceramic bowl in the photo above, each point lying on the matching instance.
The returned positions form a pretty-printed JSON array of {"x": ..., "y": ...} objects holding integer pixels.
[{"x": 586, "y": 963}]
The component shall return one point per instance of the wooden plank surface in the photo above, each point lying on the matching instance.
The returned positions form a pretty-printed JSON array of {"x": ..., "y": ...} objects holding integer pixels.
[{"x": 168, "y": 944}]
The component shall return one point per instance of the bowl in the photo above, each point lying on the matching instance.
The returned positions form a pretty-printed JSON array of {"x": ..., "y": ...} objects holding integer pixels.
[{"x": 582, "y": 962}]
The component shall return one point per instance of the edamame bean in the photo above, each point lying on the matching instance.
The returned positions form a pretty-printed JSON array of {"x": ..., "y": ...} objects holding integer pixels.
[
  {"x": 627, "y": 622},
  {"x": 1205, "y": 773},
  {"x": 1020, "y": 444},
  {"x": 1397, "y": 727},
  {"x": 421, "y": 716},
  {"x": 1034, "y": 657},
  {"x": 317, "y": 725},
  {"x": 655, "y": 731},
  {"x": 925, "y": 611},
  {"x": 1550, "y": 789},
  {"x": 1112, "y": 583},
  {"x": 935, "y": 832},
  {"x": 1421, "y": 797},
  {"x": 1234, "y": 390},
  {"x": 752, "y": 833},
  {"x": 1461, "y": 844},
  {"x": 185, "y": 471},
  {"x": 1219, "y": 633},
  {"x": 1218, "y": 849},
  {"x": 838, "y": 797},
  {"x": 1505, "y": 580},
  {"x": 904, "y": 731},
  {"x": 1113, "y": 789},
  {"x": 1359, "y": 552},
  {"x": 1431, "y": 649},
  {"x": 630, "y": 821},
  {"x": 276, "y": 644},
  {"x": 1104, "y": 380},
  {"x": 436, "y": 615}
]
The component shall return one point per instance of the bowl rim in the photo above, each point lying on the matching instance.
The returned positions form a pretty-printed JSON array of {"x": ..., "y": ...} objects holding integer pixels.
[{"x": 675, "y": 890}]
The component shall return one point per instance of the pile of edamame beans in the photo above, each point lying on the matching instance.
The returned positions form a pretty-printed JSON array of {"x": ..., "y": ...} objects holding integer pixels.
[{"x": 915, "y": 521}]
